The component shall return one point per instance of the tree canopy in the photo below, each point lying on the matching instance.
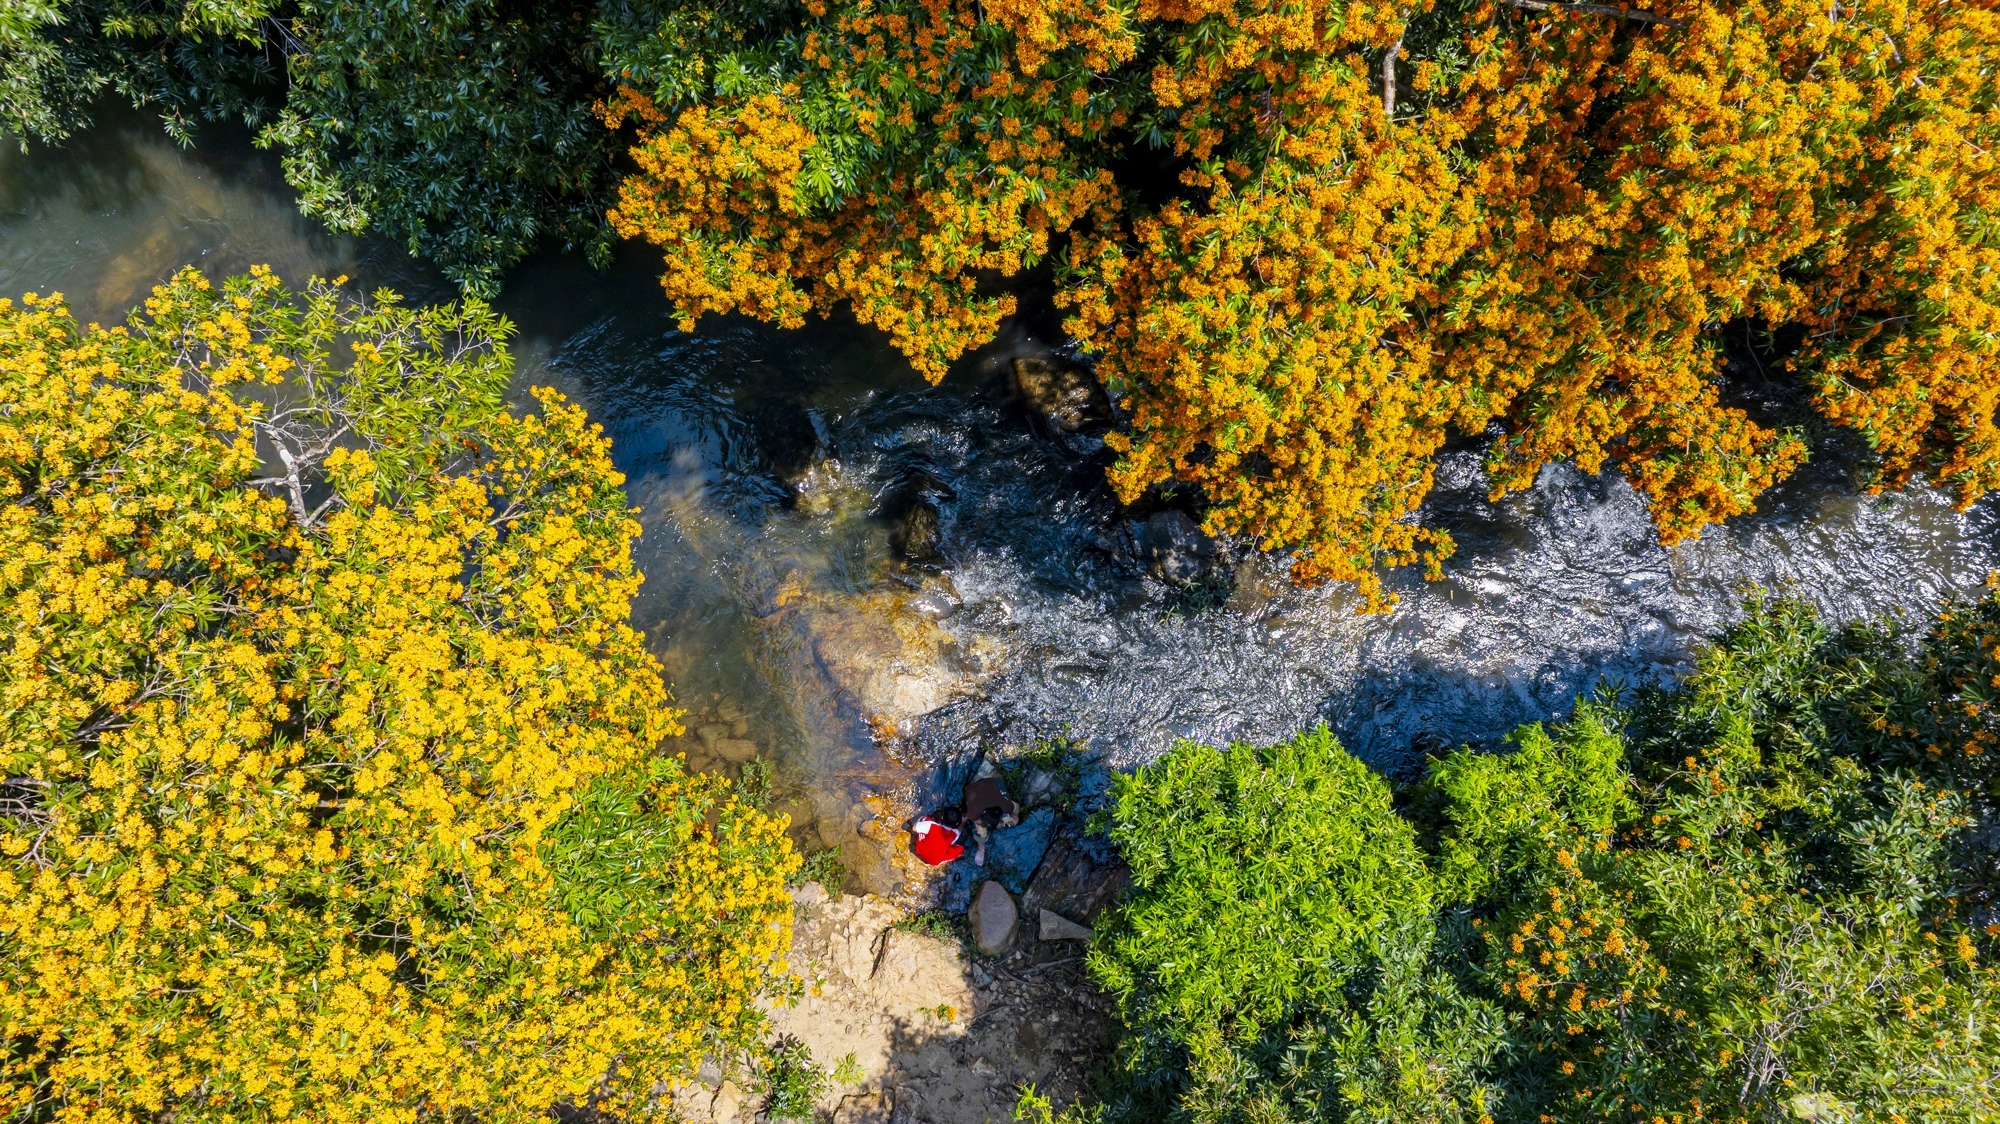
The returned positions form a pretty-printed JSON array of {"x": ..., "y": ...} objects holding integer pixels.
[
  {"x": 1308, "y": 243},
  {"x": 331, "y": 783},
  {"x": 1764, "y": 895},
  {"x": 1304, "y": 242}
]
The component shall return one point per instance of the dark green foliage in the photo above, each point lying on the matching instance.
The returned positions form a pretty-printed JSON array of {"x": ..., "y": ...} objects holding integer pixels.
[
  {"x": 679, "y": 52},
  {"x": 188, "y": 60},
  {"x": 460, "y": 128},
  {"x": 792, "y": 1081},
  {"x": 1760, "y": 896},
  {"x": 463, "y": 129},
  {"x": 822, "y": 866},
  {"x": 1773, "y": 934},
  {"x": 936, "y": 924}
]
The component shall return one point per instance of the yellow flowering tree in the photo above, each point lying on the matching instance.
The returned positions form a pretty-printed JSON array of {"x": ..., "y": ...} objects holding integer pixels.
[{"x": 330, "y": 774}]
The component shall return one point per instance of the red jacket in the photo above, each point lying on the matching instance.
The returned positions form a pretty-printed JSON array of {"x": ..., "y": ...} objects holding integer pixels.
[{"x": 934, "y": 843}]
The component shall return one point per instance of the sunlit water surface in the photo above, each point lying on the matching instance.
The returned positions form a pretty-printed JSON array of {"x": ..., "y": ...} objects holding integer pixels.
[{"x": 768, "y": 467}]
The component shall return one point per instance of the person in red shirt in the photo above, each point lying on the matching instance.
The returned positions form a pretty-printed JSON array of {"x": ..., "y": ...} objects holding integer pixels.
[{"x": 935, "y": 843}]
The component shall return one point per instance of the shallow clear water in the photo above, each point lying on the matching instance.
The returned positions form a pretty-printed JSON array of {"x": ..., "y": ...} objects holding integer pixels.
[{"x": 767, "y": 466}]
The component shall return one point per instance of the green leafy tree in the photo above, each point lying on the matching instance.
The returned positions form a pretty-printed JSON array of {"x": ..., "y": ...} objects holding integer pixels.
[
  {"x": 1276, "y": 957},
  {"x": 1775, "y": 932},
  {"x": 1762, "y": 895},
  {"x": 461, "y": 128},
  {"x": 190, "y": 61}
]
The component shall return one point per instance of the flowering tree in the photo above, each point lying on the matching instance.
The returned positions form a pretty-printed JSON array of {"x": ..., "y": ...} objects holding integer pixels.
[
  {"x": 1309, "y": 242},
  {"x": 330, "y": 784}
]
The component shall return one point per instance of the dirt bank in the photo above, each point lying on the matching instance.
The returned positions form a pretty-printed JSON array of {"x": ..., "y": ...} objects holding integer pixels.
[{"x": 937, "y": 1032}]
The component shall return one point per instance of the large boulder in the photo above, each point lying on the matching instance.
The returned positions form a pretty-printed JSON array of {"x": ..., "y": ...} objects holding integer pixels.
[
  {"x": 1064, "y": 396},
  {"x": 1013, "y": 853},
  {"x": 994, "y": 919}
]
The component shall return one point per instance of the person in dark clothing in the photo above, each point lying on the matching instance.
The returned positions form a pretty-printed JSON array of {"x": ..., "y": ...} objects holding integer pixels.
[{"x": 987, "y": 809}]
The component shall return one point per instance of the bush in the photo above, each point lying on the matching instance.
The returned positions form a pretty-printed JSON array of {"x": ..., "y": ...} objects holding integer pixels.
[
  {"x": 331, "y": 791},
  {"x": 792, "y": 1081}
]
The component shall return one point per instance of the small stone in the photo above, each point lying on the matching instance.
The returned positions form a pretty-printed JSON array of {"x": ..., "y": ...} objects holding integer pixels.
[
  {"x": 1175, "y": 548},
  {"x": 727, "y": 1103},
  {"x": 712, "y": 733},
  {"x": 1040, "y": 783},
  {"x": 812, "y": 893},
  {"x": 1056, "y": 927},
  {"x": 994, "y": 917},
  {"x": 733, "y": 749}
]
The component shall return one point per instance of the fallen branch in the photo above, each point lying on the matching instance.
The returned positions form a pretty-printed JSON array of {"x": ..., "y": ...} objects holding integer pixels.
[{"x": 1639, "y": 15}]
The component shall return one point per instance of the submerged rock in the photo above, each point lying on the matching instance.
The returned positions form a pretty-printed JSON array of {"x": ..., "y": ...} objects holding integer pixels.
[
  {"x": 994, "y": 918},
  {"x": 1066, "y": 397},
  {"x": 1175, "y": 550},
  {"x": 891, "y": 659},
  {"x": 917, "y": 535}
]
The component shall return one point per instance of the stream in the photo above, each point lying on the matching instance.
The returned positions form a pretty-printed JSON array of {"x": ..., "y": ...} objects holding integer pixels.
[{"x": 771, "y": 468}]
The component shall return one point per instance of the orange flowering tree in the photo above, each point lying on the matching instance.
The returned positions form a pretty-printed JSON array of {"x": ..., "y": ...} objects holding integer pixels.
[
  {"x": 329, "y": 756},
  {"x": 1307, "y": 243}
]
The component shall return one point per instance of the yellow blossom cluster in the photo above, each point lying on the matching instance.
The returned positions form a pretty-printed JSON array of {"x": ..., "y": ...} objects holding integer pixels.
[
  {"x": 1310, "y": 242},
  {"x": 294, "y": 809}
]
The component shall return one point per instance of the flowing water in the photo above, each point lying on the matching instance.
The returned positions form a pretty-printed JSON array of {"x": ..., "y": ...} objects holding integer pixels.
[{"x": 769, "y": 468}]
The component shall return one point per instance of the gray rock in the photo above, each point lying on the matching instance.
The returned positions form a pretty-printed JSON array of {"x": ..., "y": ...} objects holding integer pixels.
[
  {"x": 994, "y": 919},
  {"x": 1056, "y": 927},
  {"x": 812, "y": 893},
  {"x": 1067, "y": 397},
  {"x": 1041, "y": 783},
  {"x": 1074, "y": 883},
  {"x": 1013, "y": 853},
  {"x": 1174, "y": 547}
]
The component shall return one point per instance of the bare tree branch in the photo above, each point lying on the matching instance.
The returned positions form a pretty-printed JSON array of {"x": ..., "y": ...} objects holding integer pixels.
[{"x": 1389, "y": 78}]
